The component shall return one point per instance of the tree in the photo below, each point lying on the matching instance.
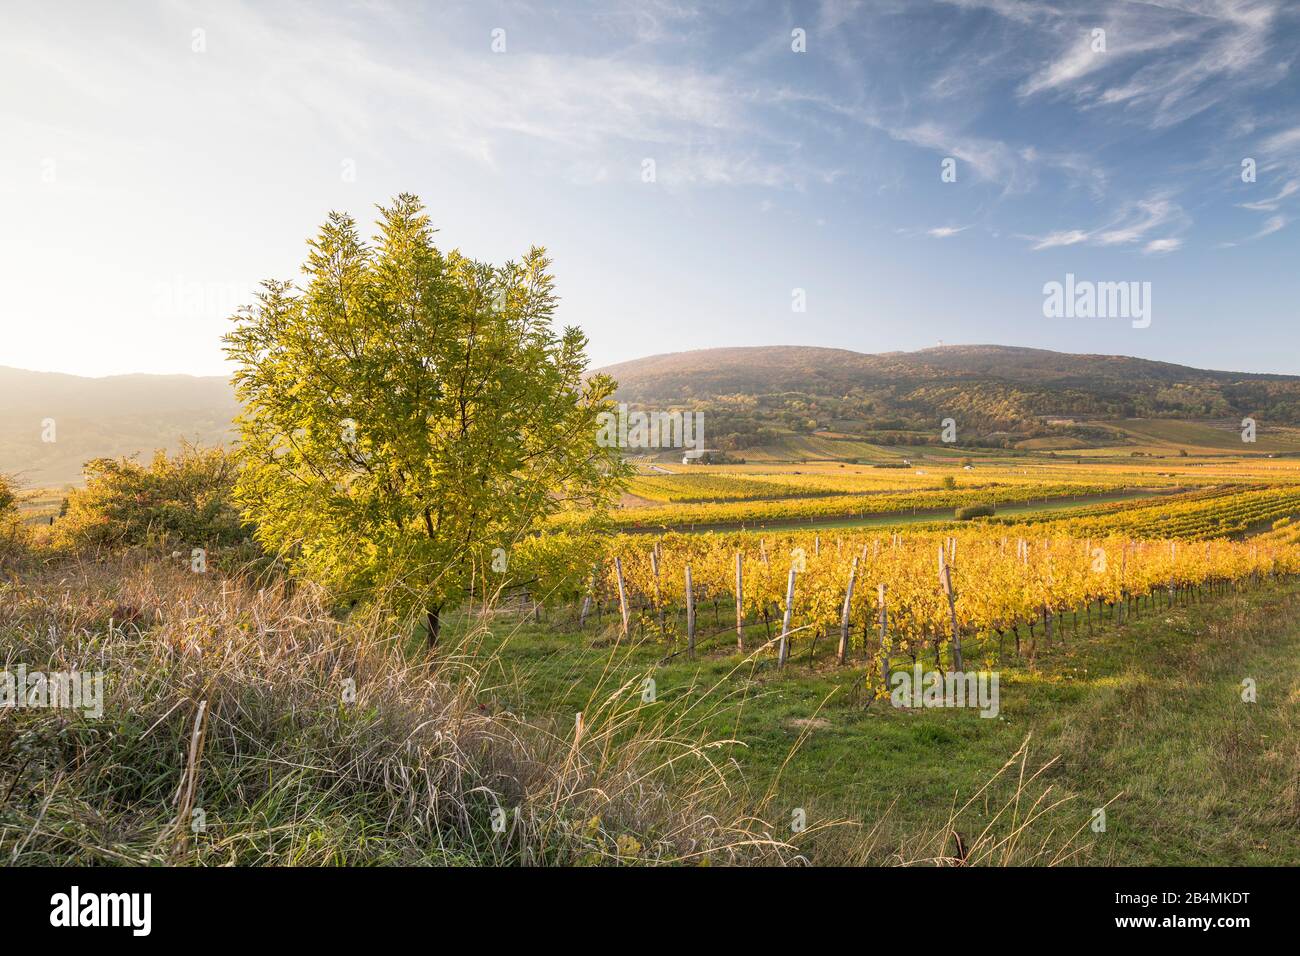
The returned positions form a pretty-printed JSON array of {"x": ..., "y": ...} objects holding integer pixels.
[{"x": 408, "y": 412}]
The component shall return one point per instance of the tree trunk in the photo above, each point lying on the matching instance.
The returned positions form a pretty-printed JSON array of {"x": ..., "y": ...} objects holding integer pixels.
[{"x": 433, "y": 625}]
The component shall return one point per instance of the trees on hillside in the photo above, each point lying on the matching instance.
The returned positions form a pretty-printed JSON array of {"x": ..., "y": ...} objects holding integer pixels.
[{"x": 410, "y": 414}]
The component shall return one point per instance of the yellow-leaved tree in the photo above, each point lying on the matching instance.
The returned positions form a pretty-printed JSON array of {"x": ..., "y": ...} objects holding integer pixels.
[{"x": 410, "y": 415}]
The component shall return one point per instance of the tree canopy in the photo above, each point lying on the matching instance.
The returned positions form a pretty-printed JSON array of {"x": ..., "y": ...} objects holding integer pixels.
[{"x": 408, "y": 412}]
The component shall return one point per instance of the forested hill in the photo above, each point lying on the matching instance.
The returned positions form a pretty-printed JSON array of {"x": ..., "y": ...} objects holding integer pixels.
[{"x": 990, "y": 389}]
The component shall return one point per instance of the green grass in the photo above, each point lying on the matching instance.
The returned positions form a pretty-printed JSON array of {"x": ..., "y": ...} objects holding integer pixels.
[
  {"x": 1146, "y": 719},
  {"x": 1159, "y": 434}
]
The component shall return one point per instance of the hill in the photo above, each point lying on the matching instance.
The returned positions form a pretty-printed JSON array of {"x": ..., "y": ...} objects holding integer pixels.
[
  {"x": 767, "y": 402},
  {"x": 999, "y": 396},
  {"x": 93, "y": 417}
]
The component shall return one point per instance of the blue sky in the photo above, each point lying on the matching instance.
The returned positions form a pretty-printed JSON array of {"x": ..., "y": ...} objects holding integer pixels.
[{"x": 158, "y": 159}]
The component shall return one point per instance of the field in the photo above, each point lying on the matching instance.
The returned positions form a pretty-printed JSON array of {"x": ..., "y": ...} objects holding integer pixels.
[
  {"x": 1122, "y": 602},
  {"x": 649, "y": 707},
  {"x": 1114, "y": 439},
  {"x": 927, "y": 485},
  {"x": 1144, "y": 719}
]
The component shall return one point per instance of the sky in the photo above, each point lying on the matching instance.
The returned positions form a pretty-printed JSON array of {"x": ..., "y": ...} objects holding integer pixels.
[{"x": 874, "y": 176}]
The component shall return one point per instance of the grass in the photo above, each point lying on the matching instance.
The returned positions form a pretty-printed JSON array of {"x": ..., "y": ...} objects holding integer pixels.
[
  {"x": 304, "y": 739},
  {"x": 716, "y": 761},
  {"x": 1160, "y": 435},
  {"x": 1145, "y": 720}
]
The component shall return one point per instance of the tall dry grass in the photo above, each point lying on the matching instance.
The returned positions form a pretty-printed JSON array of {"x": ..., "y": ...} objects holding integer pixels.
[{"x": 230, "y": 705}]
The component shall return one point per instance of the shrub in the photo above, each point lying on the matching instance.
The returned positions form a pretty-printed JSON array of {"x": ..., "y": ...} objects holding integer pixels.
[
  {"x": 12, "y": 533},
  {"x": 184, "y": 500},
  {"x": 974, "y": 511}
]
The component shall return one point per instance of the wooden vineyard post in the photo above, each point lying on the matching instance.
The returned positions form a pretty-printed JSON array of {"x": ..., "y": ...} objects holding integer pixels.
[
  {"x": 844, "y": 618},
  {"x": 1123, "y": 575},
  {"x": 586, "y": 601},
  {"x": 659, "y": 604},
  {"x": 783, "y": 651},
  {"x": 884, "y": 633},
  {"x": 622, "y": 596},
  {"x": 690, "y": 616},
  {"x": 945, "y": 579},
  {"x": 740, "y": 604}
]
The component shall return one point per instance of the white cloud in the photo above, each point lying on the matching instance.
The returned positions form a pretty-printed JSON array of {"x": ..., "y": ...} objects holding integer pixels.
[
  {"x": 1134, "y": 221},
  {"x": 1271, "y": 204},
  {"x": 1271, "y": 225},
  {"x": 1167, "y": 60},
  {"x": 1069, "y": 237},
  {"x": 1144, "y": 216},
  {"x": 1283, "y": 141},
  {"x": 1158, "y": 246},
  {"x": 1075, "y": 61}
]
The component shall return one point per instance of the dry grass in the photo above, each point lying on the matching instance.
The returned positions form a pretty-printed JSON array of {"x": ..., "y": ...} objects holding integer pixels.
[
  {"x": 234, "y": 703},
  {"x": 298, "y": 737}
]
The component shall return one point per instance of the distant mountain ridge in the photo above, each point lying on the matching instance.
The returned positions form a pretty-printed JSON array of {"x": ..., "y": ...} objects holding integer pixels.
[
  {"x": 716, "y": 371},
  {"x": 1002, "y": 393},
  {"x": 111, "y": 416},
  {"x": 995, "y": 390}
]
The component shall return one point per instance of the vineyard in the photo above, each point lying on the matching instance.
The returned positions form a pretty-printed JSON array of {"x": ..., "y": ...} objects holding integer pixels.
[
  {"x": 882, "y": 599},
  {"x": 702, "y": 485},
  {"x": 921, "y": 582},
  {"x": 1209, "y": 513},
  {"x": 862, "y": 505}
]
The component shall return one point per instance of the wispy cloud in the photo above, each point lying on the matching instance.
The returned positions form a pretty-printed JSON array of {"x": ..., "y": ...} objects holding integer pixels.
[
  {"x": 1271, "y": 204},
  {"x": 1161, "y": 246},
  {"x": 1068, "y": 237},
  {"x": 1132, "y": 224},
  {"x": 1163, "y": 61},
  {"x": 1271, "y": 225}
]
